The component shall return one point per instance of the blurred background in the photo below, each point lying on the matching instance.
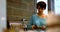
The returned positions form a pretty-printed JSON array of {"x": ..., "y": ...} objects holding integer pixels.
[{"x": 15, "y": 14}]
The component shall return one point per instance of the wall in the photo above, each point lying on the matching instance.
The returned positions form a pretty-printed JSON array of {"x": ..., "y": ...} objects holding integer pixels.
[
  {"x": 2, "y": 14},
  {"x": 18, "y": 9}
]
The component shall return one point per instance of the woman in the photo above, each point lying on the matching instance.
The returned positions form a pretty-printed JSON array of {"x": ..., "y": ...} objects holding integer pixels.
[{"x": 39, "y": 20}]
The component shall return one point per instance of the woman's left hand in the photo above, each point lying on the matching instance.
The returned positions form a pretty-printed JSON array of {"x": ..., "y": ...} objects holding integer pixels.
[{"x": 43, "y": 27}]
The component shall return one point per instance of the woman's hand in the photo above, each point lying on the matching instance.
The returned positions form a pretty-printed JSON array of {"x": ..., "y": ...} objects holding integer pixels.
[
  {"x": 43, "y": 27},
  {"x": 34, "y": 27}
]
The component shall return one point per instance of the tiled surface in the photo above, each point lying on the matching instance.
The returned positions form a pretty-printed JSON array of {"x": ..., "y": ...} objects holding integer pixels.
[{"x": 19, "y": 9}]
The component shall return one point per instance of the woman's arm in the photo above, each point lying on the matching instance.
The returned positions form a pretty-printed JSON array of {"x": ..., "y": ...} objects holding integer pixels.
[{"x": 30, "y": 23}]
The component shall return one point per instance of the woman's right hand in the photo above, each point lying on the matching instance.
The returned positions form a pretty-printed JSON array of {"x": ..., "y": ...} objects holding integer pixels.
[{"x": 34, "y": 27}]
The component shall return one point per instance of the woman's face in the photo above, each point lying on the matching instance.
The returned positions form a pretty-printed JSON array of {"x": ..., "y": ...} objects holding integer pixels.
[{"x": 40, "y": 10}]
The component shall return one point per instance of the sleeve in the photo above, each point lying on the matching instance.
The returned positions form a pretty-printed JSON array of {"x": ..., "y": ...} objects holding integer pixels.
[
  {"x": 44, "y": 24},
  {"x": 30, "y": 23}
]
